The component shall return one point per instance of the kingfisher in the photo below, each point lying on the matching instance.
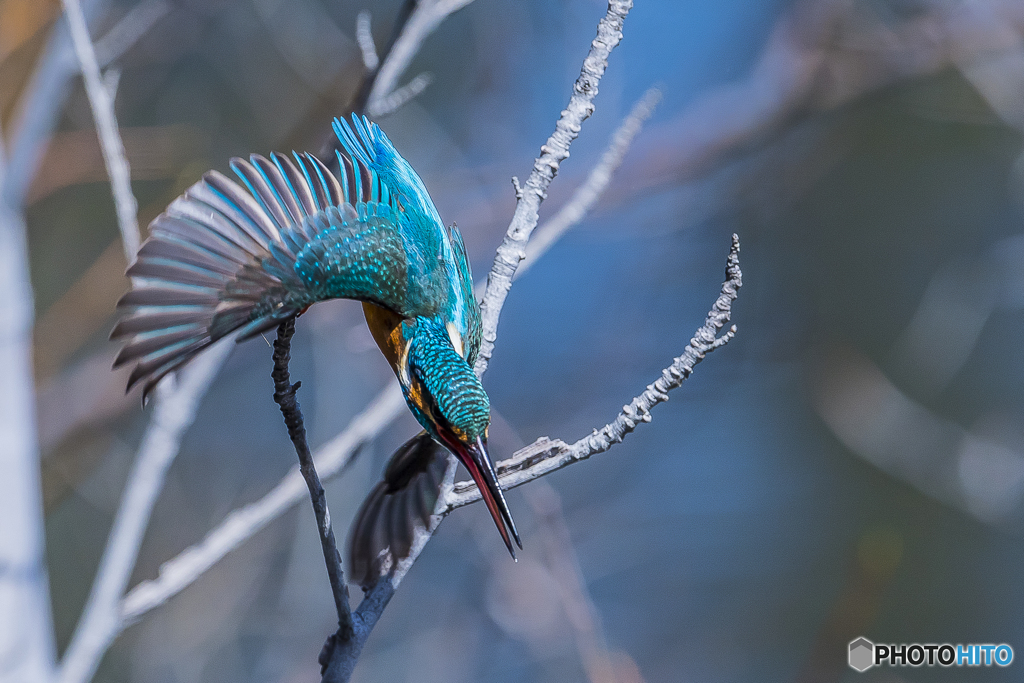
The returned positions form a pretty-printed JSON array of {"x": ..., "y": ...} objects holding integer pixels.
[{"x": 243, "y": 257}]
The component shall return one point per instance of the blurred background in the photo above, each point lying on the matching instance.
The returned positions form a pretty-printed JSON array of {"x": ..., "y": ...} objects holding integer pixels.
[{"x": 852, "y": 464}]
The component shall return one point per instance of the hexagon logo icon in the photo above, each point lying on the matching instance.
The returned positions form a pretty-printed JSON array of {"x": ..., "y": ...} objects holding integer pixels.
[{"x": 862, "y": 654}]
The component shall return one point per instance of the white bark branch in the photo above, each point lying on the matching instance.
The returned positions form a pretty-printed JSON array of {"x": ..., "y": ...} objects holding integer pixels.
[
  {"x": 102, "y": 103},
  {"x": 428, "y": 15},
  {"x": 400, "y": 97},
  {"x": 364, "y": 38},
  {"x": 589, "y": 192},
  {"x": 552, "y": 153},
  {"x": 176, "y": 403},
  {"x": 26, "y": 632},
  {"x": 241, "y": 524},
  {"x": 545, "y": 456}
]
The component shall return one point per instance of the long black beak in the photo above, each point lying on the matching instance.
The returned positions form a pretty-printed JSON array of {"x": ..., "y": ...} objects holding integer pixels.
[{"x": 474, "y": 456}]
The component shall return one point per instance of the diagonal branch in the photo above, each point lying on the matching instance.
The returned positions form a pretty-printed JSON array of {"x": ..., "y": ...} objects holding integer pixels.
[
  {"x": 545, "y": 456},
  {"x": 101, "y": 99},
  {"x": 284, "y": 396},
  {"x": 176, "y": 405},
  {"x": 552, "y": 154},
  {"x": 421, "y": 17}
]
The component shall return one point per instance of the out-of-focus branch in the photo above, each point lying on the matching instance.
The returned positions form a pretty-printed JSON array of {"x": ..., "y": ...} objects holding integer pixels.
[
  {"x": 243, "y": 523},
  {"x": 37, "y": 112},
  {"x": 425, "y": 17},
  {"x": 176, "y": 403},
  {"x": 564, "y": 567},
  {"x": 26, "y": 638},
  {"x": 401, "y": 96},
  {"x": 364, "y": 38},
  {"x": 552, "y": 153},
  {"x": 26, "y": 631},
  {"x": 589, "y": 192},
  {"x": 129, "y": 30},
  {"x": 284, "y": 396},
  {"x": 38, "y": 109},
  {"x": 362, "y": 96},
  {"x": 545, "y": 456},
  {"x": 101, "y": 99}
]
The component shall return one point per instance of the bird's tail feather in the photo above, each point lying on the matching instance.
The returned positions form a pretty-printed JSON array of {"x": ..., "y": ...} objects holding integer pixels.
[{"x": 385, "y": 528}]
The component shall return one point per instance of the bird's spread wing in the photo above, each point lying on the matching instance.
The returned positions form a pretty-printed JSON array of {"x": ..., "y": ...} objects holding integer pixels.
[
  {"x": 399, "y": 507},
  {"x": 227, "y": 256}
]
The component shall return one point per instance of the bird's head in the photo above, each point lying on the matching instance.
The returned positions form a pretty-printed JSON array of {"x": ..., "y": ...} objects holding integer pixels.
[{"x": 446, "y": 397}]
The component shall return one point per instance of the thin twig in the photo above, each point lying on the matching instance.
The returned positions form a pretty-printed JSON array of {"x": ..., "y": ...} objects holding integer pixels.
[
  {"x": 362, "y": 96},
  {"x": 552, "y": 153},
  {"x": 129, "y": 30},
  {"x": 102, "y": 103},
  {"x": 284, "y": 396},
  {"x": 545, "y": 456},
  {"x": 400, "y": 97},
  {"x": 426, "y": 16},
  {"x": 26, "y": 630}
]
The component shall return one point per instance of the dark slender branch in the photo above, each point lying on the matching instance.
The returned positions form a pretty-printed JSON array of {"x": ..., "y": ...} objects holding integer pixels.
[{"x": 284, "y": 396}]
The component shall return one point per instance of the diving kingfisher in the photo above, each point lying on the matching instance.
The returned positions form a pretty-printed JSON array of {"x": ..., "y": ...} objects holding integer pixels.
[{"x": 228, "y": 257}]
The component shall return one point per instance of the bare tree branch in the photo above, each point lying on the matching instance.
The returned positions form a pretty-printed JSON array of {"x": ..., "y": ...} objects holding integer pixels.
[
  {"x": 26, "y": 633},
  {"x": 341, "y": 654},
  {"x": 400, "y": 97},
  {"x": 38, "y": 109},
  {"x": 176, "y": 404},
  {"x": 552, "y": 153},
  {"x": 362, "y": 96},
  {"x": 586, "y": 195},
  {"x": 545, "y": 456},
  {"x": 102, "y": 101},
  {"x": 364, "y": 38},
  {"x": 425, "y": 18},
  {"x": 239, "y": 526}
]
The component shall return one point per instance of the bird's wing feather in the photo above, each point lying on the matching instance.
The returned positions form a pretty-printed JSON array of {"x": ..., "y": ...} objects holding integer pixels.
[{"x": 227, "y": 257}]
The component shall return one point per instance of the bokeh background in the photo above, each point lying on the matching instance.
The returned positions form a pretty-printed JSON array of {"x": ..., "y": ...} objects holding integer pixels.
[{"x": 851, "y": 464}]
